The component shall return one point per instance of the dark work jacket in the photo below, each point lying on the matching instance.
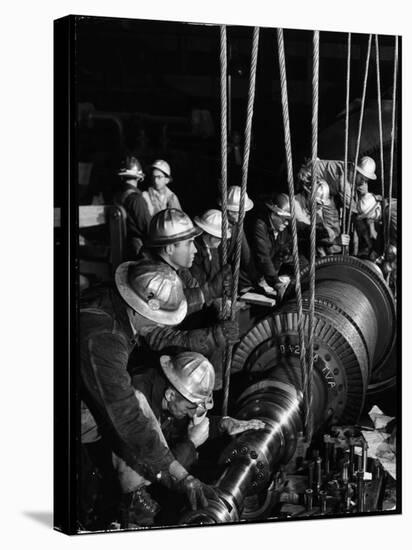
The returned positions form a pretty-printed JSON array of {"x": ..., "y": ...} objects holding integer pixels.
[
  {"x": 270, "y": 251},
  {"x": 201, "y": 340},
  {"x": 249, "y": 271},
  {"x": 204, "y": 268},
  {"x": 137, "y": 220},
  {"x": 153, "y": 384},
  {"x": 106, "y": 342}
]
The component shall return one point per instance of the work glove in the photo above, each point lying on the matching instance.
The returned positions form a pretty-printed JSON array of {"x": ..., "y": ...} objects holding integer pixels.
[
  {"x": 281, "y": 285},
  {"x": 197, "y": 492},
  {"x": 233, "y": 426},
  {"x": 227, "y": 332},
  {"x": 344, "y": 239},
  {"x": 198, "y": 433}
]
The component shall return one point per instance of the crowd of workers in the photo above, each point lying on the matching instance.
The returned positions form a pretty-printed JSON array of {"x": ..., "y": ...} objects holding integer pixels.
[{"x": 152, "y": 343}]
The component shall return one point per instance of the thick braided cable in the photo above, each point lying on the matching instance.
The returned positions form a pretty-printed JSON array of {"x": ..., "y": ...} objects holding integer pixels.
[
  {"x": 345, "y": 248},
  {"x": 378, "y": 82},
  {"x": 288, "y": 149},
  {"x": 395, "y": 73},
  {"x": 223, "y": 160},
  {"x": 315, "y": 112},
  {"x": 239, "y": 235},
  {"x": 365, "y": 81}
]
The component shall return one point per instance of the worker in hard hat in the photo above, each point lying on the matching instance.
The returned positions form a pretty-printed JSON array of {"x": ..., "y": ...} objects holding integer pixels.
[
  {"x": 328, "y": 231},
  {"x": 207, "y": 261},
  {"x": 171, "y": 242},
  {"x": 368, "y": 216},
  {"x": 332, "y": 171},
  {"x": 248, "y": 274},
  {"x": 180, "y": 394},
  {"x": 113, "y": 321},
  {"x": 158, "y": 196},
  {"x": 272, "y": 242},
  {"x": 129, "y": 196}
]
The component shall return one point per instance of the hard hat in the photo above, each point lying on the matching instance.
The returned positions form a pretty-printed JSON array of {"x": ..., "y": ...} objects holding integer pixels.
[
  {"x": 153, "y": 290},
  {"x": 322, "y": 193},
  {"x": 170, "y": 226},
  {"x": 233, "y": 199},
  {"x": 192, "y": 375},
  {"x": 211, "y": 222},
  {"x": 132, "y": 169},
  {"x": 279, "y": 205},
  {"x": 367, "y": 168},
  {"x": 163, "y": 166}
]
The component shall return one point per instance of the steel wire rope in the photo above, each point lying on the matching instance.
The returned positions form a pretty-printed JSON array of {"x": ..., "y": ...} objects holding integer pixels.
[
  {"x": 365, "y": 81},
  {"x": 315, "y": 112},
  {"x": 378, "y": 83},
  {"x": 288, "y": 150},
  {"x": 345, "y": 176},
  {"x": 239, "y": 234},
  {"x": 395, "y": 71},
  {"x": 223, "y": 158}
]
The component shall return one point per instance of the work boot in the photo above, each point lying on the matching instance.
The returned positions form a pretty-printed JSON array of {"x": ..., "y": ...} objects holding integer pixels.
[{"x": 137, "y": 509}]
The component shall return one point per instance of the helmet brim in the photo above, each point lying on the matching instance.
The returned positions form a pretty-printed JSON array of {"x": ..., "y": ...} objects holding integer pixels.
[
  {"x": 140, "y": 306},
  {"x": 210, "y": 230},
  {"x": 157, "y": 243},
  {"x": 130, "y": 174},
  {"x": 248, "y": 206},
  {"x": 170, "y": 373},
  {"x": 367, "y": 175}
]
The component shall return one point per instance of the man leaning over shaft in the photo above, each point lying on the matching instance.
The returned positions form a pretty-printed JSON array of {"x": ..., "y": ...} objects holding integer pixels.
[{"x": 111, "y": 324}]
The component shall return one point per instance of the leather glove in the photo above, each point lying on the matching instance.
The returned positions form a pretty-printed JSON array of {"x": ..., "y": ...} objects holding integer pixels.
[
  {"x": 227, "y": 332},
  {"x": 197, "y": 492},
  {"x": 198, "y": 433},
  {"x": 233, "y": 426},
  {"x": 344, "y": 239}
]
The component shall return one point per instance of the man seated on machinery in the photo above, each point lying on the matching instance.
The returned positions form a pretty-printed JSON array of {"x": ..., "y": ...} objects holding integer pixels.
[
  {"x": 272, "y": 243},
  {"x": 248, "y": 274}
]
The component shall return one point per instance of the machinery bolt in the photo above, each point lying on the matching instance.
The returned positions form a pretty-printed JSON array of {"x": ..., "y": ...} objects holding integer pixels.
[
  {"x": 260, "y": 476},
  {"x": 308, "y": 499},
  {"x": 260, "y": 465},
  {"x": 244, "y": 450},
  {"x": 360, "y": 491},
  {"x": 253, "y": 454},
  {"x": 323, "y": 502}
]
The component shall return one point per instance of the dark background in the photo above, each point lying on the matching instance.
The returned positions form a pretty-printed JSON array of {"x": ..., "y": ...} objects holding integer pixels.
[{"x": 140, "y": 86}]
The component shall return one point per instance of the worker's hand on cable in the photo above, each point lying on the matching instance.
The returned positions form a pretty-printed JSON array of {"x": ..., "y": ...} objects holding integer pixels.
[
  {"x": 233, "y": 426},
  {"x": 198, "y": 433},
  {"x": 197, "y": 492},
  {"x": 344, "y": 239},
  {"x": 230, "y": 330}
]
